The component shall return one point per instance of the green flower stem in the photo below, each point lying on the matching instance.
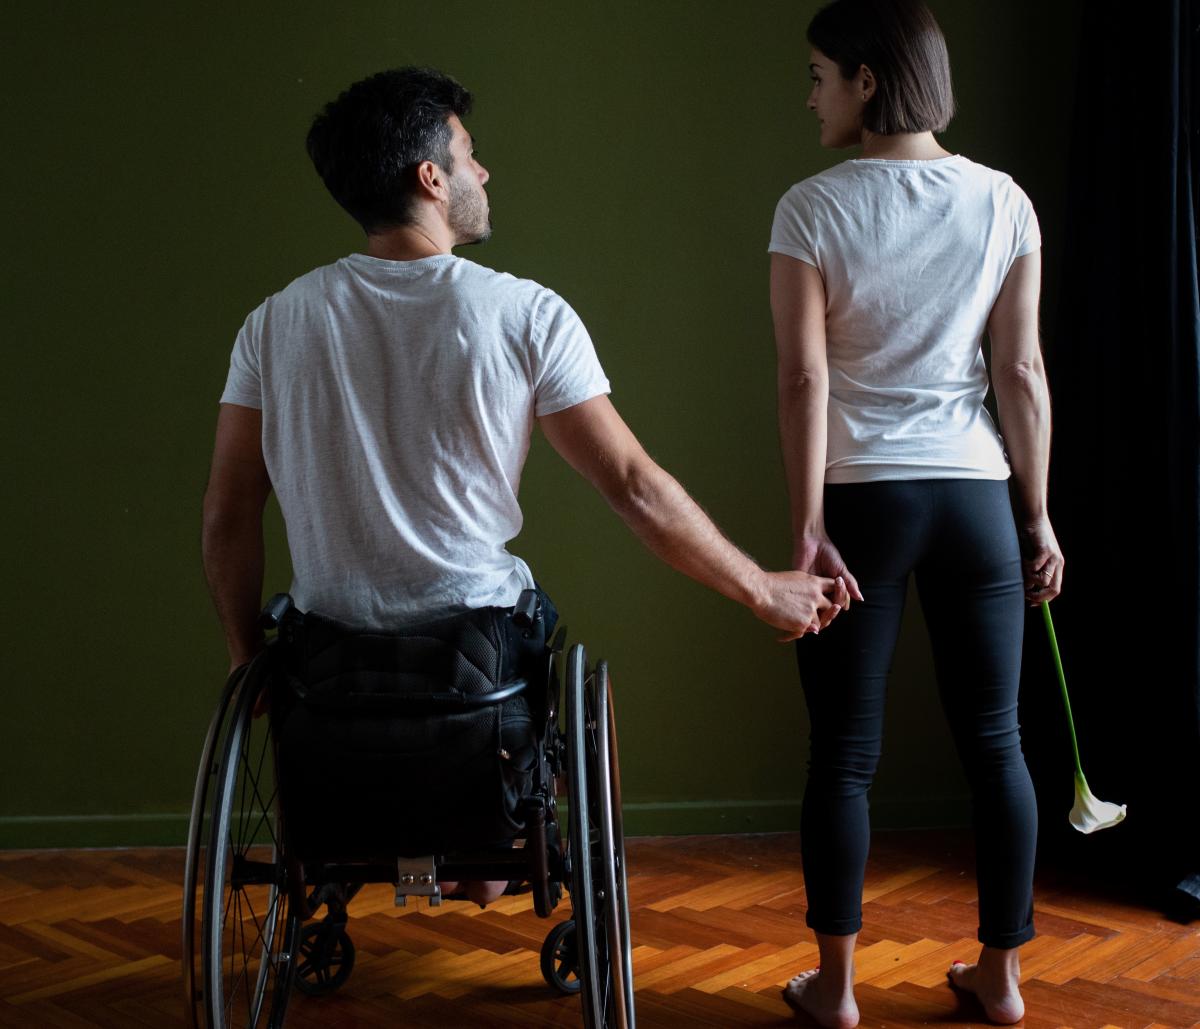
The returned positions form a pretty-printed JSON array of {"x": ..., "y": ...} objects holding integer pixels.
[{"x": 1062, "y": 682}]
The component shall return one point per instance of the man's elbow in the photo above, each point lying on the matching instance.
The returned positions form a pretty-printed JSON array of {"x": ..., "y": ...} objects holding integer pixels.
[
  {"x": 225, "y": 517},
  {"x": 632, "y": 491}
]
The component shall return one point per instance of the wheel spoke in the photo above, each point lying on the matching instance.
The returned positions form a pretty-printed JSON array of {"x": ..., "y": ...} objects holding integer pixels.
[
  {"x": 264, "y": 807},
  {"x": 231, "y": 993},
  {"x": 226, "y": 907},
  {"x": 264, "y": 812},
  {"x": 257, "y": 925},
  {"x": 240, "y": 812}
]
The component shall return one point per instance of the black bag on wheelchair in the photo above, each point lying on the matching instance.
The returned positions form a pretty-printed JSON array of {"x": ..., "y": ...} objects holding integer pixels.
[{"x": 420, "y": 742}]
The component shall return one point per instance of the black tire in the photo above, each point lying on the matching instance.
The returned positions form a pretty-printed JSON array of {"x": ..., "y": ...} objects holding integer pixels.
[
  {"x": 560, "y": 959},
  {"x": 324, "y": 959},
  {"x": 248, "y": 935},
  {"x": 199, "y": 827},
  {"x": 612, "y": 853},
  {"x": 579, "y": 838},
  {"x": 597, "y": 850}
]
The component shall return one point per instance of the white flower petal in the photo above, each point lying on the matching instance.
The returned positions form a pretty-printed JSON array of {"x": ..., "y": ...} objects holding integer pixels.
[{"x": 1089, "y": 814}]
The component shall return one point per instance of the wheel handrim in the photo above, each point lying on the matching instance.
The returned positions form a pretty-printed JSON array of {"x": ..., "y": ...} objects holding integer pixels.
[
  {"x": 249, "y": 932},
  {"x": 599, "y": 895},
  {"x": 580, "y": 838},
  {"x": 197, "y": 845},
  {"x": 616, "y": 1006}
]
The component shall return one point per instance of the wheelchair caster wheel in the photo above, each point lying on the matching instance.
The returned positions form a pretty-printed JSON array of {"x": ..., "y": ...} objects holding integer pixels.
[
  {"x": 326, "y": 958},
  {"x": 560, "y": 959}
]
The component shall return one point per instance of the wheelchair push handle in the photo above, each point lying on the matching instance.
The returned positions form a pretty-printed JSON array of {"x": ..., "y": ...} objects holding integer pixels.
[
  {"x": 277, "y": 608},
  {"x": 527, "y": 610}
]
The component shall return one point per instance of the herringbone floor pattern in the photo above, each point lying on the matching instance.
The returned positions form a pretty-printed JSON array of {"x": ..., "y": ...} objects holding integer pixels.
[{"x": 92, "y": 939}]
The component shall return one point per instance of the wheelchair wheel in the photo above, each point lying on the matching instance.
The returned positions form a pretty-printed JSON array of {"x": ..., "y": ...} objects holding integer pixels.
[
  {"x": 325, "y": 958},
  {"x": 247, "y": 935},
  {"x": 597, "y": 850},
  {"x": 560, "y": 959}
]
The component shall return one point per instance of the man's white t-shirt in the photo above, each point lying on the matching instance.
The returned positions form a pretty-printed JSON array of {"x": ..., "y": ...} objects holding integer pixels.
[
  {"x": 913, "y": 255},
  {"x": 398, "y": 400}
]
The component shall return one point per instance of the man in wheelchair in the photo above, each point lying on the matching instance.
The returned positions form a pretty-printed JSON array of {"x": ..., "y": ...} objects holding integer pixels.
[{"x": 388, "y": 399}]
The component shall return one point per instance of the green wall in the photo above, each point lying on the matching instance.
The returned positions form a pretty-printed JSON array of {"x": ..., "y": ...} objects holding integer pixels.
[{"x": 156, "y": 189}]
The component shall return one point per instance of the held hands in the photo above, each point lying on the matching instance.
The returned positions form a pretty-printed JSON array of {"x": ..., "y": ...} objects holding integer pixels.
[
  {"x": 798, "y": 603},
  {"x": 1041, "y": 562},
  {"x": 817, "y": 554}
]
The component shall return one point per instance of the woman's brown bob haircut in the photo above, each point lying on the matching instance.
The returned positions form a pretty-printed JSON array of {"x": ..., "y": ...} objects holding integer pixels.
[{"x": 900, "y": 42}]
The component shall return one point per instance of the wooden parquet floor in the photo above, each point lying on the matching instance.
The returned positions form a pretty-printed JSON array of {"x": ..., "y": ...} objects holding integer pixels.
[{"x": 91, "y": 938}]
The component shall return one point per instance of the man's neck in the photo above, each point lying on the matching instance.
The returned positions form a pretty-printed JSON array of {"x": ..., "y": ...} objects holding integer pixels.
[{"x": 408, "y": 243}]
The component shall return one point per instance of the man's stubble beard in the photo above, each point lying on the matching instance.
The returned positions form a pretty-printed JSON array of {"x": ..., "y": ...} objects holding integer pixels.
[{"x": 470, "y": 219}]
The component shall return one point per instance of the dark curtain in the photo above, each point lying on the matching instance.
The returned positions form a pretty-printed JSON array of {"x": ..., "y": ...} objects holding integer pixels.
[{"x": 1125, "y": 474}]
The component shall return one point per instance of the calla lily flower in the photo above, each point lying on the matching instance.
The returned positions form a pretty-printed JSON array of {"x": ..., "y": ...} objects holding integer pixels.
[{"x": 1088, "y": 813}]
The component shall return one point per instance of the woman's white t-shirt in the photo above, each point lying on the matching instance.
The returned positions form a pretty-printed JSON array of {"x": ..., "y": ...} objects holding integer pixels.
[{"x": 913, "y": 255}]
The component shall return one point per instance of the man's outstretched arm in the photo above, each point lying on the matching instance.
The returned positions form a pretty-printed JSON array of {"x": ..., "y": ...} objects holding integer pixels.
[
  {"x": 597, "y": 443},
  {"x": 232, "y": 540}
]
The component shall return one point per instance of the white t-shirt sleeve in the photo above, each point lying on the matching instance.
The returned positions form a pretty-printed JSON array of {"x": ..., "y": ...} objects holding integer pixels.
[
  {"x": 1028, "y": 233},
  {"x": 244, "y": 384},
  {"x": 794, "y": 230},
  {"x": 566, "y": 370}
]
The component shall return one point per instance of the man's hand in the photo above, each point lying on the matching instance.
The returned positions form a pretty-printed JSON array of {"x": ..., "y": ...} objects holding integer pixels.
[
  {"x": 1041, "y": 561},
  {"x": 818, "y": 556},
  {"x": 799, "y": 603}
]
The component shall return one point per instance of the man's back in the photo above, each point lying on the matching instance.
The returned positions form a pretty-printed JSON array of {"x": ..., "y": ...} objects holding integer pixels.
[{"x": 397, "y": 401}]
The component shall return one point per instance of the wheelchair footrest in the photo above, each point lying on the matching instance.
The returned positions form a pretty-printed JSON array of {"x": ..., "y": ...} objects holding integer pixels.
[{"x": 417, "y": 877}]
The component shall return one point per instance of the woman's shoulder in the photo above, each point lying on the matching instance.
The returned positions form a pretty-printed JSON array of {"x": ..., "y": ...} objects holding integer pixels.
[
  {"x": 823, "y": 185},
  {"x": 993, "y": 179}
]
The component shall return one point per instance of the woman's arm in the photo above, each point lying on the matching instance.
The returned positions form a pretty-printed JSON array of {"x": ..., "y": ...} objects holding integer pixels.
[
  {"x": 1023, "y": 402},
  {"x": 798, "y": 307}
]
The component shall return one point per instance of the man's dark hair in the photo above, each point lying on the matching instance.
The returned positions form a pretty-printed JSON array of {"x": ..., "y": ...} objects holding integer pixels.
[
  {"x": 900, "y": 42},
  {"x": 367, "y": 143}
]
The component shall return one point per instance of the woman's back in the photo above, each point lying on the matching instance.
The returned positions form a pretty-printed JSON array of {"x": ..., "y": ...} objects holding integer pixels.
[{"x": 913, "y": 255}]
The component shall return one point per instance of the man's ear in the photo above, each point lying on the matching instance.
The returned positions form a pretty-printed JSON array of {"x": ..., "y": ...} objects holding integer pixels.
[
  {"x": 866, "y": 82},
  {"x": 432, "y": 181}
]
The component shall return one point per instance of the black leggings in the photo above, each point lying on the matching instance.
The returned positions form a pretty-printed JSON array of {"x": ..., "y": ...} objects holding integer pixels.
[{"x": 958, "y": 536}]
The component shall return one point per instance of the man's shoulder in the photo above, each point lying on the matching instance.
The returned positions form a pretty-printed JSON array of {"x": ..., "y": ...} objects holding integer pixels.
[
  {"x": 471, "y": 285},
  {"x": 503, "y": 285},
  {"x": 312, "y": 284}
]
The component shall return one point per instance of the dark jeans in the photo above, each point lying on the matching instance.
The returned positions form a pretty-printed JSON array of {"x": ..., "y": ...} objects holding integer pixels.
[{"x": 958, "y": 536}]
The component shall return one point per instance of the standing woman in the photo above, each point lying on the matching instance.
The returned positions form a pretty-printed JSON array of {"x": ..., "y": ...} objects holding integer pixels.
[{"x": 886, "y": 272}]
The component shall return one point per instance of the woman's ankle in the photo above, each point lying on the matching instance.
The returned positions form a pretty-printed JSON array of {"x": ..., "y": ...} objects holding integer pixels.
[
  {"x": 1000, "y": 961},
  {"x": 837, "y": 961}
]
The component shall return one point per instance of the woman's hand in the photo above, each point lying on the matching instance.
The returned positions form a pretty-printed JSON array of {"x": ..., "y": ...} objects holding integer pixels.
[
  {"x": 818, "y": 556},
  {"x": 799, "y": 603},
  {"x": 1041, "y": 562}
]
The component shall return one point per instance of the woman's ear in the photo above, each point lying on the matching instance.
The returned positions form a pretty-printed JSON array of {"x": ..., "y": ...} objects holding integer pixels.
[{"x": 866, "y": 82}]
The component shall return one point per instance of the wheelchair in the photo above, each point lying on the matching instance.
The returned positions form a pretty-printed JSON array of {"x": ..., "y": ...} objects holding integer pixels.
[{"x": 337, "y": 759}]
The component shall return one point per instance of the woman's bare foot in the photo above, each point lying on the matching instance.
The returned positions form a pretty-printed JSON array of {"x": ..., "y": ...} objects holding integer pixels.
[
  {"x": 994, "y": 984},
  {"x": 809, "y": 994}
]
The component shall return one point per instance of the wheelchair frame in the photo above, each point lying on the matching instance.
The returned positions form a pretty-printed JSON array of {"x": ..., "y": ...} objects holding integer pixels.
[{"x": 245, "y": 945}]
